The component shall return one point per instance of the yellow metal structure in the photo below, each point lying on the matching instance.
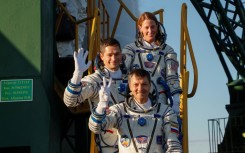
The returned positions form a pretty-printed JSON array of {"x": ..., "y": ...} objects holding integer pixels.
[
  {"x": 135, "y": 19},
  {"x": 184, "y": 74},
  {"x": 93, "y": 21},
  {"x": 94, "y": 38},
  {"x": 96, "y": 13}
]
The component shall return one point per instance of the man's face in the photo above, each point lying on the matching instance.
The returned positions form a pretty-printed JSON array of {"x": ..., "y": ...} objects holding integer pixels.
[
  {"x": 111, "y": 57},
  {"x": 140, "y": 88}
]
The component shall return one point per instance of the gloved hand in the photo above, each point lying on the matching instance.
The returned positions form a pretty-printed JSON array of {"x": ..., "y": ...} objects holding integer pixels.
[
  {"x": 176, "y": 102},
  {"x": 104, "y": 95},
  {"x": 80, "y": 65}
]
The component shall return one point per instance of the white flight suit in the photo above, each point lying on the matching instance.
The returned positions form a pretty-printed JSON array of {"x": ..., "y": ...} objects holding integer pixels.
[
  {"x": 157, "y": 134},
  {"x": 90, "y": 85},
  {"x": 160, "y": 61}
]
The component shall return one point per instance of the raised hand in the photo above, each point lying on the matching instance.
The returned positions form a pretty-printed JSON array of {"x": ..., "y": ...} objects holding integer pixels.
[
  {"x": 104, "y": 92},
  {"x": 80, "y": 65},
  {"x": 104, "y": 95},
  {"x": 80, "y": 59}
]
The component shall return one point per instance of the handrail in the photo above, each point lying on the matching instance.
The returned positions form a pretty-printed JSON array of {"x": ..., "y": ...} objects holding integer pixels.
[
  {"x": 123, "y": 6},
  {"x": 89, "y": 18},
  {"x": 127, "y": 10},
  {"x": 104, "y": 14},
  {"x": 94, "y": 38},
  {"x": 59, "y": 88},
  {"x": 188, "y": 41},
  {"x": 184, "y": 81},
  {"x": 215, "y": 132},
  {"x": 93, "y": 43},
  {"x": 160, "y": 12},
  {"x": 72, "y": 20},
  {"x": 93, "y": 28}
]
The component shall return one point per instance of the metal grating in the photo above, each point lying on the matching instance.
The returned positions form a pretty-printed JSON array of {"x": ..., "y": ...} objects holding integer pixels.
[{"x": 226, "y": 134}]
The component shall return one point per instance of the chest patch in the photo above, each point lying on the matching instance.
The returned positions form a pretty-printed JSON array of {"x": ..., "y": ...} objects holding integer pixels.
[
  {"x": 125, "y": 141},
  {"x": 141, "y": 139},
  {"x": 149, "y": 64}
]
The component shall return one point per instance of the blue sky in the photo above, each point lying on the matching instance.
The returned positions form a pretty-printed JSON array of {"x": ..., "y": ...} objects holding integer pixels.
[{"x": 212, "y": 93}]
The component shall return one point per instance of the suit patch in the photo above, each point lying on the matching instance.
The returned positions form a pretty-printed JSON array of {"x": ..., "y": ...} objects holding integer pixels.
[
  {"x": 149, "y": 64},
  {"x": 125, "y": 141},
  {"x": 159, "y": 139},
  {"x": 141, "y": 139},
  {"x": 174, "y": 128},
  {"x": 163, "y": 74},
  {"x": 174, "y": 66}
]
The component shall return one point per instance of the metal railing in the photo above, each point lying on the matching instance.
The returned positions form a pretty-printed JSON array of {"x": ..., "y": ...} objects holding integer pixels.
[
  {"x": 216, "y": 130},
  {"x": 227, "y": 134},
  {"x": 184, "y": 74},
  {"x": 65, "y": 11},
  {"x": 94, "y": 35},
  {"x": 94, "y": 25},
  {"x": 135, "y": 19}
]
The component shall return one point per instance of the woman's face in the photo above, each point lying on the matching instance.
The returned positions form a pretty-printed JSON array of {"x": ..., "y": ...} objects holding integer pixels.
[{"x": 149, "y": 30}]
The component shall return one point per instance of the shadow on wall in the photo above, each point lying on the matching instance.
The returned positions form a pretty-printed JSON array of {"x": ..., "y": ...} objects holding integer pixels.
[{"x": 13, "y": 62}]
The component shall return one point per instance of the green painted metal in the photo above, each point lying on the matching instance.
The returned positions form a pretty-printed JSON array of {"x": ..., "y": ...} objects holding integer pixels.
[
  {"x": 26, "y": 52},
  {"x": 16, "y": 90},
  {"x": 20, "y": 31}
]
